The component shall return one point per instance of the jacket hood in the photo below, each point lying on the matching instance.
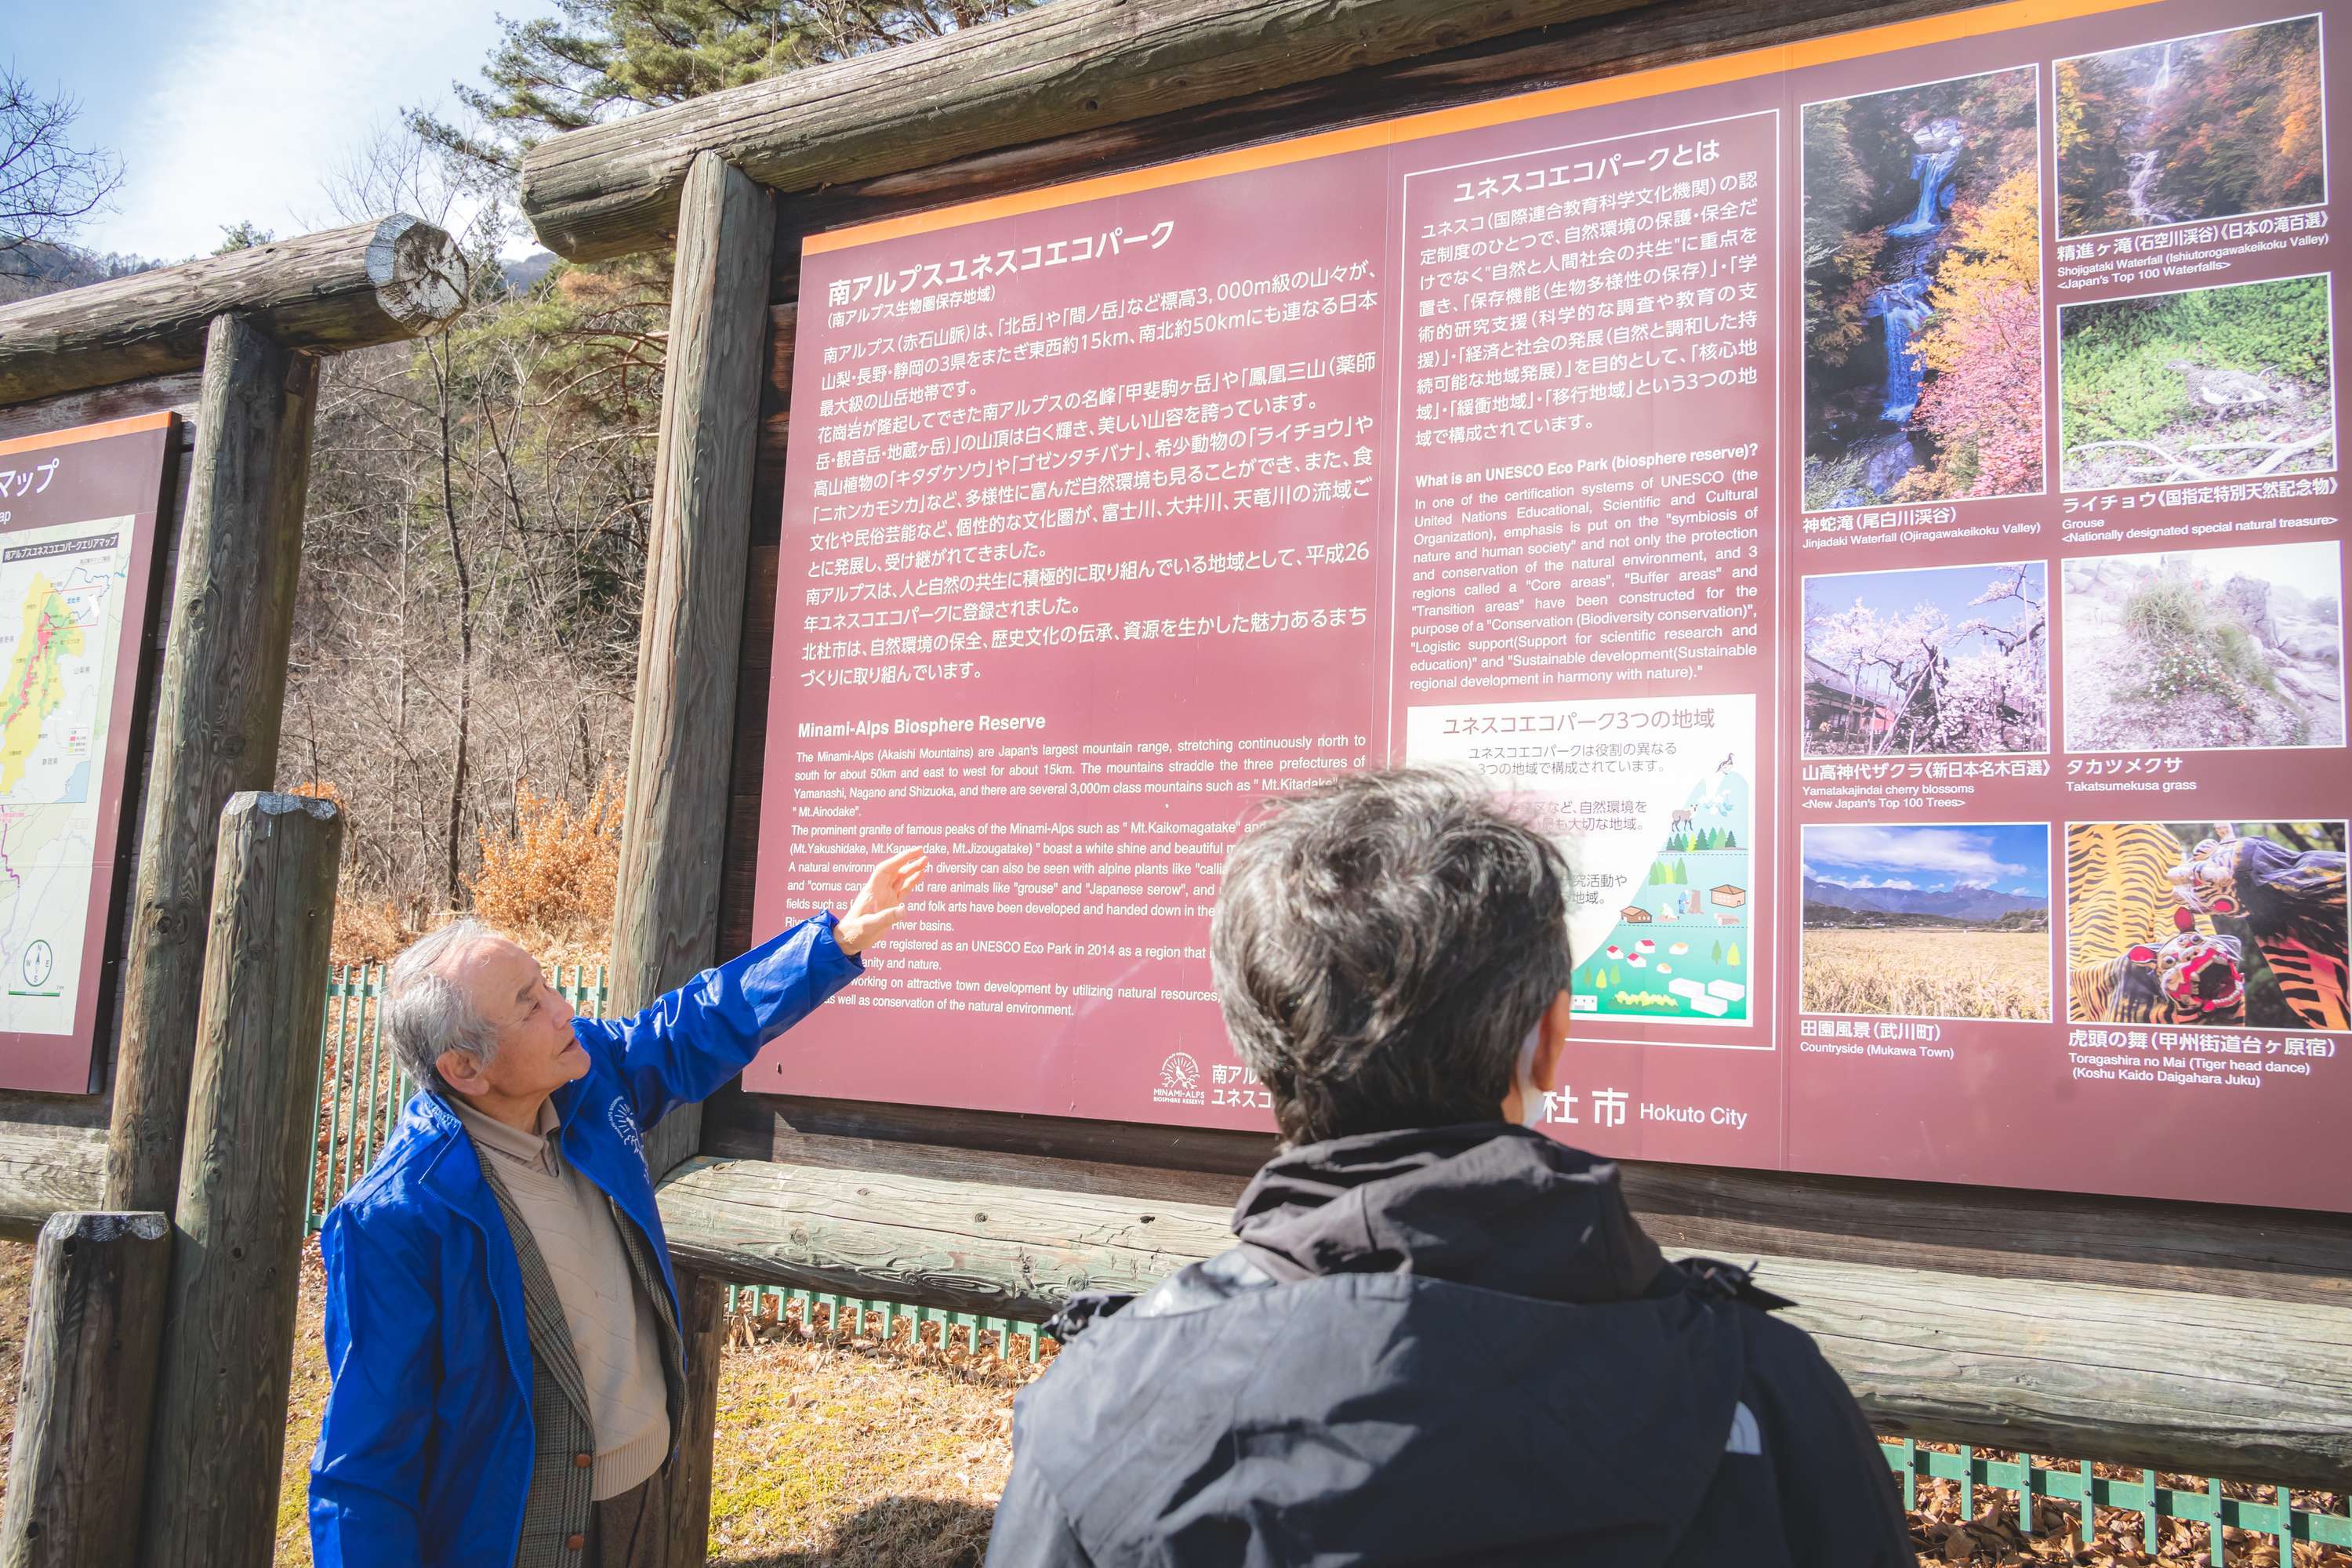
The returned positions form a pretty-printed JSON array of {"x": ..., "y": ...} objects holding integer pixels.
[
  {"x": 1482, "y": 1203},
  {"x": 1449, "y": 1344}
]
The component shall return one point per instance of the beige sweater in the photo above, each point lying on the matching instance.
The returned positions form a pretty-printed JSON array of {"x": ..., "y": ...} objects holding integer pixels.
[{"x": 613, "y": 1330}]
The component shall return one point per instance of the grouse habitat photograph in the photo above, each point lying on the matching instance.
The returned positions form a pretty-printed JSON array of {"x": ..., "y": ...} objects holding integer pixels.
[
  {"x": 2229, "y": 383},
  {"x": 2204, "y": 650},
  {"x": 2192, "y": 129},
  {"x": 1922, "y": 293}
]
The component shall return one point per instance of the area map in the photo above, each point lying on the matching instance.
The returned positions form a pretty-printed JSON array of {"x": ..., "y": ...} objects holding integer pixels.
[{"x": 62, "y": 589}]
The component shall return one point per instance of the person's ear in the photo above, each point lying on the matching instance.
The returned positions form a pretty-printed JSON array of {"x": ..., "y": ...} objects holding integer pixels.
[
  {"x": 462, "y": 1071},
  {"x": 1554, "y": 1039}
]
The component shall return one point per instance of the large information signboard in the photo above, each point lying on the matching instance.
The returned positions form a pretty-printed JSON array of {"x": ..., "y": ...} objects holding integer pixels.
[
  {"x": 1875, "y": 499},
  {"x": 77, "y": 526}
]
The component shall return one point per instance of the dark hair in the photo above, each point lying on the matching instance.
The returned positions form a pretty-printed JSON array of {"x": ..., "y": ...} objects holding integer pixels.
[{"x": 1382, "y": 946}]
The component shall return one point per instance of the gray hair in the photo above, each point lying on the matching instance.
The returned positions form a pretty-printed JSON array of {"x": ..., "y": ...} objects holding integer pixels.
[
  {"x": 424, "y": 1013},
  {"x": 1382, "y": 946}
]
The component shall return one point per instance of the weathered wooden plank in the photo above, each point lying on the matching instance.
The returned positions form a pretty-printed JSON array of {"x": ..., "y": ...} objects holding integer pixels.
[
  {"x": 745, "y": 1123},
  {"x": 79, "y": 1459},
  {"x": 2270, "y": 1254},
  {"x": 372, "y": 283},
  {"x": 220, "y": 696},
  {"x": 612, "y": 189},
  {"x": 178, "y": 393},
  {"x": 972, "y": 1246},
  {"x": 46, "y": 1168},
  {"x": 2184, "y": 1382},
  {"x": 236, "y": 1255},
  {"x": 2216, "y": 1249}
]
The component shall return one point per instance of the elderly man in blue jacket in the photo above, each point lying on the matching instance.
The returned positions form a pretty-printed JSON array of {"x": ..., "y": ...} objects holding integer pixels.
[{"x": 502, "y": 1322}]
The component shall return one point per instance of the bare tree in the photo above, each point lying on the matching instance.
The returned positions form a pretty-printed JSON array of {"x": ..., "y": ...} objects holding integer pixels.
[
  {"x": 47, "y": 184},
  {"x": 473, "y": 554}
]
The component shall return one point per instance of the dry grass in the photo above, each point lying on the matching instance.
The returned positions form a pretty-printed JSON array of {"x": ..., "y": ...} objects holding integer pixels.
[
  {"x": 546, "y": 879},
  {"x": 836, "y": 1452},
  {"x": 1913, "y": 973}
]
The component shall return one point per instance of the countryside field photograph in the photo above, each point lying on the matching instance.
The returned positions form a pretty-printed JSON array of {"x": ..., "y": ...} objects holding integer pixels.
[{"x": 1927, "y": 922}]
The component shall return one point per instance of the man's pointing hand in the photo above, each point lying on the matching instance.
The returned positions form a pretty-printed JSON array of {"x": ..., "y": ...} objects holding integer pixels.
[{"x": 882, "y": 900}]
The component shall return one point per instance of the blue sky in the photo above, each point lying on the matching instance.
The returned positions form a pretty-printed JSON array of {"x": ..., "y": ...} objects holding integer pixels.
[
  {"x": 2007, "y": 859},
  {"x": 231, "y": 109},
  {"x": 1949, "y": 588}
]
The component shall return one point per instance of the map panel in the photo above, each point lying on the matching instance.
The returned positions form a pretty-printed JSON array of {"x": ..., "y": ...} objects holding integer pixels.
[
  {"x": 78, "y": 513},
  {"x": 62, "y": 590}
]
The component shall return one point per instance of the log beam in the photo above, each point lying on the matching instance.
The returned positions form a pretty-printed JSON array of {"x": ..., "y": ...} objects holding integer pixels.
[
  {"x": 237, "y": 1250},
  {"x": 2204, "y": 1383},
  {"x": 1070, "y": 67},
  {"x": 79, "y": 1460},
  {"x": 681, "y": 750},
  {"x": 45, "y": 1170},
  {"x": 372, "y": 282},
  {"x": 220, "y": 698}
]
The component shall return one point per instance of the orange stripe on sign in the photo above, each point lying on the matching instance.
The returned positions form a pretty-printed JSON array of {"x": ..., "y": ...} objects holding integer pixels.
[
  {"x": 87, "y": 433},
  {"x": 1660, "y": 80}
]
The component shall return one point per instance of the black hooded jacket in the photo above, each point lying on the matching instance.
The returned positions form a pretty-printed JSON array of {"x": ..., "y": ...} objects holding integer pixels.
[{"x": 1451, "y": 1345}]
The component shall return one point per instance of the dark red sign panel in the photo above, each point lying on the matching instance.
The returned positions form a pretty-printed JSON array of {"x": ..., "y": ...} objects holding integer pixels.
[
  {"x": 77, "y": 527},
  {"x": 1860, "y": 495}
]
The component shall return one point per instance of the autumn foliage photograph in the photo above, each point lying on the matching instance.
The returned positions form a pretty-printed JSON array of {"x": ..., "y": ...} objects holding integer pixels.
[
  {"x": 2191, "y": 128},
  {"x": 1922, "y": 293}
]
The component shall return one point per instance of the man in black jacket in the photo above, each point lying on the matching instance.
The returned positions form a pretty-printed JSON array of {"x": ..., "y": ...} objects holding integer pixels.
[{"x": 1443, "y": 1338}]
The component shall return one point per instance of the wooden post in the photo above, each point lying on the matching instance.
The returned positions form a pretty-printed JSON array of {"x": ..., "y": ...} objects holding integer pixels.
[
  {"x": 79, "y": 1461},
  {"x": 220, "y": 696},
  {"x": 228, "y": 1334},
  {"x": 702, "y": 1298},
  {"x": 681, "y": 750}
]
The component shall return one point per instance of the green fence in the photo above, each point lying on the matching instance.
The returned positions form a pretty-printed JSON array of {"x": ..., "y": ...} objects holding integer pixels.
[{"x": 361, "y": 1089}]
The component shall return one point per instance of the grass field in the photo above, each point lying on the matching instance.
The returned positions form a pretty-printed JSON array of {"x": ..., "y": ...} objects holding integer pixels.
[{"x": 1891, "y": 972}]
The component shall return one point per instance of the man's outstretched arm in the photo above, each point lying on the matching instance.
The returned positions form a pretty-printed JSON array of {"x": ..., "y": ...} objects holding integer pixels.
[{"x": 684, "y": 1046}]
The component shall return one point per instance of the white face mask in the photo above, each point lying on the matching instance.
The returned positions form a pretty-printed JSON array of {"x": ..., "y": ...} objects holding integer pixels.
[{"x": 1531, "y": 1093}]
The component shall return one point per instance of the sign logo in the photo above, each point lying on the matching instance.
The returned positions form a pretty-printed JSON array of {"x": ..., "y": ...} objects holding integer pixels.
[
  {"x": 624, "y": 1122},
  {"x": 1180, "y": 1082}
]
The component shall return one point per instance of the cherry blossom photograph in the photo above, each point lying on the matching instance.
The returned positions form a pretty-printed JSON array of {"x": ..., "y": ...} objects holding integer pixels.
[{"x": 1946, "y": 661}]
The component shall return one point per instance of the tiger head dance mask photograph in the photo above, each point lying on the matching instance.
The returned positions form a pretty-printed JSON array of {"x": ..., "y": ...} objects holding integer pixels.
[{"x": 2276, "y": 959}]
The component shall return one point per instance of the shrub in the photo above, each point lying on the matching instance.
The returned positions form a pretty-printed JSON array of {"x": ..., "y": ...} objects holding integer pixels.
[{"x": 548, "y": 876}]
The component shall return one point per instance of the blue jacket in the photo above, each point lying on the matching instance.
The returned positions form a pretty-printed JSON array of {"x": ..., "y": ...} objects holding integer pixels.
[{"x": 424, "y": 1457}]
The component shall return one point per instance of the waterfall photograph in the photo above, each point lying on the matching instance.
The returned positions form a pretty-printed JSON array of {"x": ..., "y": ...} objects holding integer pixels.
[
  {"x": 2189, "y": 130},
  {"x": 2230, "y": 383},
  {"x": 1922, "y": 293}
]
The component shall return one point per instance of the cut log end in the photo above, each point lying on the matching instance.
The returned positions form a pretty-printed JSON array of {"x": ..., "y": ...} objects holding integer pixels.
[{"x": 420, "y": 275}]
